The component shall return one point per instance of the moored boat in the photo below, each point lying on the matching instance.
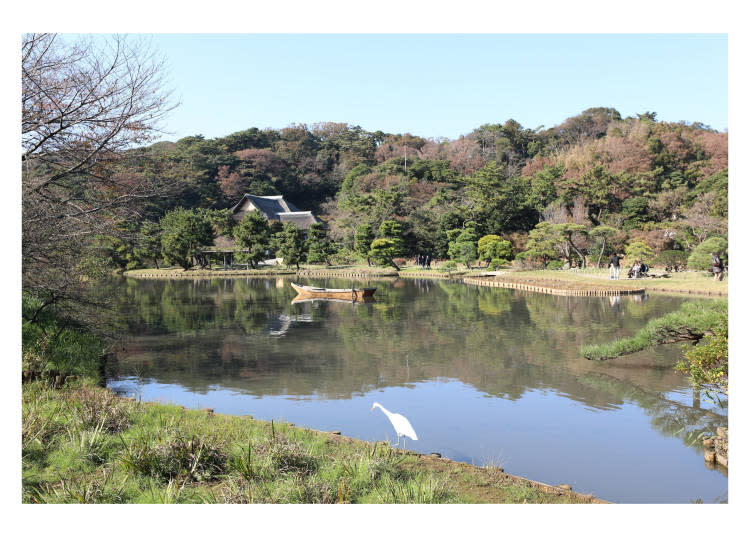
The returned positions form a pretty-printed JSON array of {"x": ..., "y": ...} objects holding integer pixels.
[
  {"x": 349, "y": 294},
  {"x": 302, "y": 298}
]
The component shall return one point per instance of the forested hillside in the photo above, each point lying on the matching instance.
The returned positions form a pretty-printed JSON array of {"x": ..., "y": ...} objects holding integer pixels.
[{"x": 615, "y": 182}]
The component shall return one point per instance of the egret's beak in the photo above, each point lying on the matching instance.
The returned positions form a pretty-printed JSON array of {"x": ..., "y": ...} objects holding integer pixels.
[{"x": 372, "y": 408}]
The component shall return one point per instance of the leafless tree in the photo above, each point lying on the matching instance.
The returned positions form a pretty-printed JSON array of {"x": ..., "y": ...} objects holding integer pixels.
[
  {"x": 699, "y": 221},
  {"x": 86, "y": 106}
]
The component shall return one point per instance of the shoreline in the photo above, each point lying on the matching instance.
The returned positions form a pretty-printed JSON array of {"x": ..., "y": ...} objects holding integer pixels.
[
  {"x": 430, "y": 460},
  {"x": 123, "y": 450},
  {"x": 570, "y": 284}
]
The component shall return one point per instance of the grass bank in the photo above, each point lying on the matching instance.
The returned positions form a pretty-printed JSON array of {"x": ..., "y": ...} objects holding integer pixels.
[
  {"x": 690, "y": 323},
  {"x": 82, "y": 444},
  {"x": 681, "y": 282}
]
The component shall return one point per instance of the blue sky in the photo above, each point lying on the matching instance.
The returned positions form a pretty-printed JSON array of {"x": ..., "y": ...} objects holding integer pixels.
[{"x": 438, "y": 85}]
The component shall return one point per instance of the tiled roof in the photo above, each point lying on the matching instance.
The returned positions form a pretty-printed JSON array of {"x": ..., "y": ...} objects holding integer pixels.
[
  {"x": 270, "y": 205},
  {"x": 275, "y": 207},
  {"x": 303, "y": 220}
]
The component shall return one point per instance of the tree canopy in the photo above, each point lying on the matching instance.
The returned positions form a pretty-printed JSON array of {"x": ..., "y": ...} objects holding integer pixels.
[
  {"x": 183, "y": 235},
  {"x": 254, "y": 234}
]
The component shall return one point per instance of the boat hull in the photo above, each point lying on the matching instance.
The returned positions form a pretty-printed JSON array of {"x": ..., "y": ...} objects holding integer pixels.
[
  {"x": 348, "y": 294},
  {"x": 304, "y": 299}
]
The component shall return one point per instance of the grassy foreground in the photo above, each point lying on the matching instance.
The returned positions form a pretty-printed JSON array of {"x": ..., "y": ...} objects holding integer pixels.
[{"x": 82, "y": 444}]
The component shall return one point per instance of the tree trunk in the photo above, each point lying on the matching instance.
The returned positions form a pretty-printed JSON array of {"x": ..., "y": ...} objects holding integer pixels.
[
  {"x": 583, "y": 259},
  {"x": 599, "y": 260}
]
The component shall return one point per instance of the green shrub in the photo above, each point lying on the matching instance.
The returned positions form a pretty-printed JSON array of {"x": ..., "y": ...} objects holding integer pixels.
[
  {"x": 344, "y": 255},
  {"x": 638, "y": 250},
  {"x": 554, "y": 265},
  {"x": 708, "y": 363},
  {"x": 492, "y": 247},
  {"x": 449, "y": 266},
  {"x": 496, "y": 264}
]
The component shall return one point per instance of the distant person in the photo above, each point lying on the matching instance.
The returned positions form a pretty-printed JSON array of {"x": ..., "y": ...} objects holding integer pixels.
[
  {"x": 614, "y": 266},
  {"x": 718, "y": 268},
  {"x": 634, "y": 270},
  {"x": 428, "y": 260}
]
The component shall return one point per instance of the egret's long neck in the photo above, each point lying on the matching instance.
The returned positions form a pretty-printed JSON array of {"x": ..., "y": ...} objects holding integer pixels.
[{"x": 377, "y": 405}]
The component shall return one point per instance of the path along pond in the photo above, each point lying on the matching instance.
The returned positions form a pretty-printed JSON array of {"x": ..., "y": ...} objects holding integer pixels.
[{"x": 487, "y": 376}]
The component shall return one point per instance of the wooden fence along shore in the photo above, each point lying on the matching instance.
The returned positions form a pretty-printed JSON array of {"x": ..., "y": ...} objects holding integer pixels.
[
  {"x": 303, "y": 273},
  {"x": 205, "y": 274},
  {"x": 553, "y": 286}
]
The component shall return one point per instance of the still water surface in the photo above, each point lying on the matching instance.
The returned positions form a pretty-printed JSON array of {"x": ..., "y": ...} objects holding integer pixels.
[{"x": 485, "y": 375}]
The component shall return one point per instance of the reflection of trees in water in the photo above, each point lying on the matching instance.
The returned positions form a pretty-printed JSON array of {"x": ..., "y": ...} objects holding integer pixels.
[
  {"x": 503, "y": 342},
  {"x": 671, "y": 418}
]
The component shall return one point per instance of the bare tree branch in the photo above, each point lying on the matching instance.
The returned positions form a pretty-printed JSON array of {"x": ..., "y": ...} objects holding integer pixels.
[{"x": 86, "y": 107}]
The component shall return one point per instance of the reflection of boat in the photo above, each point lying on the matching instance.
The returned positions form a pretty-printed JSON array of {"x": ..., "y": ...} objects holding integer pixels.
[
  {"x": 345, "y": 294},
  {"x": 280, "y": 324}
]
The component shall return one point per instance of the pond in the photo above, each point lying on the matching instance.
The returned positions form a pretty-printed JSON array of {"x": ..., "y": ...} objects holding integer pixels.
[{"x": 485, "y": 375}]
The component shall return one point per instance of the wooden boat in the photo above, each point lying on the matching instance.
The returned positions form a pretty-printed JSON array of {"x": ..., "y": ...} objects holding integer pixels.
[
  {"x": 348, "y": 294},
  {"x": 361, "y": 299}
]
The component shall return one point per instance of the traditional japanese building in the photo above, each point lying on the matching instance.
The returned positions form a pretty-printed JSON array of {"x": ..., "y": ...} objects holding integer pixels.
[{"x": 274, "y": 208}]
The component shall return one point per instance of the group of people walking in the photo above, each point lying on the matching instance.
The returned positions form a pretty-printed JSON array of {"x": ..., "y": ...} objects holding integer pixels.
[{"x": 423, "y": 261}]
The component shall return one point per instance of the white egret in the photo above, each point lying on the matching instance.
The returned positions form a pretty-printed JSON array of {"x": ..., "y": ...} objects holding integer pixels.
[{"x": 400, "y": 424}]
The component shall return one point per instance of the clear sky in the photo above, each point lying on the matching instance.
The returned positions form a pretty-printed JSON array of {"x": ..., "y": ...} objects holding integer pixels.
[{"x": 439, "y": 85}]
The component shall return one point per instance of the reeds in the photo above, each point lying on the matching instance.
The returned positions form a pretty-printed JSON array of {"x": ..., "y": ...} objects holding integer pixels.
[{"x": 177, "y": 456}]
